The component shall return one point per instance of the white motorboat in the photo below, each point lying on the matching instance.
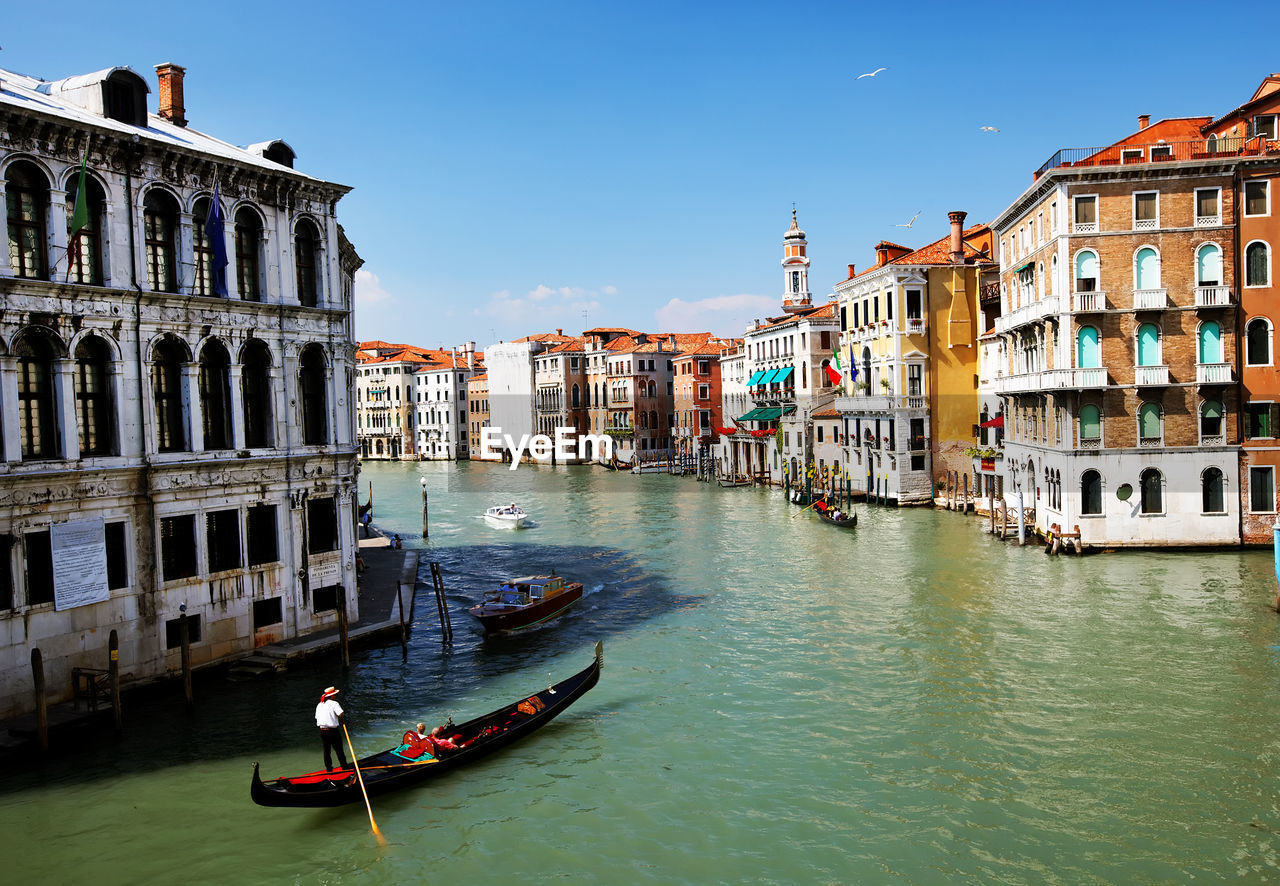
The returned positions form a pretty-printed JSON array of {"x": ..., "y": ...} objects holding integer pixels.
[{"x": 506, "y": 516}]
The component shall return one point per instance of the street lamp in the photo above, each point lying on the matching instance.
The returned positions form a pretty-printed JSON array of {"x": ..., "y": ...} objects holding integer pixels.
[{"x": 423, "y": 481}]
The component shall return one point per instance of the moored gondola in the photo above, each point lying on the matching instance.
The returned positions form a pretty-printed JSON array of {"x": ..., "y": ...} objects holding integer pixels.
[{"x": 398, "y": 767}]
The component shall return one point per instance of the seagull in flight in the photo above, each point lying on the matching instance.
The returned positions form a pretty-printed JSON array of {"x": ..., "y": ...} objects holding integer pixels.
[
  {"x": 987, "y": 129},
  {"x": 910, "y": 223},
  {"x": 872, "y": 74}
]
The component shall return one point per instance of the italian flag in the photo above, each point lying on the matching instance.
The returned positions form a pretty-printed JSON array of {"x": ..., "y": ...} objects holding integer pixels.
[{"x": 835, "y": 374}]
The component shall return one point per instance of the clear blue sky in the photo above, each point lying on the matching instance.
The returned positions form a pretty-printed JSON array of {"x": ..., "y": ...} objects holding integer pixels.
[{"x": 515, "y": 165}]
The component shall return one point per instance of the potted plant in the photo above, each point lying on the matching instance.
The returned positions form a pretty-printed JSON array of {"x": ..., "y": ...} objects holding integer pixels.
[{"x": 884, "y": 383}]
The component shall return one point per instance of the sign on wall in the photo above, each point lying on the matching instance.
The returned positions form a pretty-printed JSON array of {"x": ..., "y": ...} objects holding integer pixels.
[{"x": 79, "y": 563}]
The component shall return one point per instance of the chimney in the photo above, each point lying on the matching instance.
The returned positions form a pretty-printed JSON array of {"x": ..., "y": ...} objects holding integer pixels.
[
  {"x": 559, "y": 332},
  {"x": 671, "y": 340},
  {"x": 1144, "y": 120},
  {"x": 882, "y": 254},
  {"x": 851, "y": 272},
  {"x": 171, "y": 107},
  {"x": 470, "y": 349},
  {"x": 957, "y": 245}
]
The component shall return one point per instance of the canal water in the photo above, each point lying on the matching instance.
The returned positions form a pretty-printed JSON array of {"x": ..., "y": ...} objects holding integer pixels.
[{"x": 783, "y": 702}]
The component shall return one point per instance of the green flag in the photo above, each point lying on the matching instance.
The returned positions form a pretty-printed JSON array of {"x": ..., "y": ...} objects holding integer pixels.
[{"x": 80, "y": 215}]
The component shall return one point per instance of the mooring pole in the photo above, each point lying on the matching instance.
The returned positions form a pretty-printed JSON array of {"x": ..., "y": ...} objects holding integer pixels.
[
  {"x": 42, "y": 710},
  {"x": 424, "y": 507},
  {"x": 404, "y": 633},
  {"x": 113, "y": 672}
]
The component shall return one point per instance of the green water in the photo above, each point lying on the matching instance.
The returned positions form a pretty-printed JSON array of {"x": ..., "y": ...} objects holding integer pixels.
[{"x": 782, "y": 702}]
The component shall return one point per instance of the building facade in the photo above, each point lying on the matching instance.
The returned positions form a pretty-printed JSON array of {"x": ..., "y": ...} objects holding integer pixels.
[{"x": 176, "y": 369}]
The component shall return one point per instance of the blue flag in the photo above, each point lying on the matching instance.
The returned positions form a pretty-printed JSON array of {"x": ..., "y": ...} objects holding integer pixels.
[
  {"x": 853, "y": 365},
  {"x": 213, "y": 229}
]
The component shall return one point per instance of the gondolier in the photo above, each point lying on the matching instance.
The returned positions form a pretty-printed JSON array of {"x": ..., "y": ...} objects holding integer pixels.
[{"x": 329, "y": 719}]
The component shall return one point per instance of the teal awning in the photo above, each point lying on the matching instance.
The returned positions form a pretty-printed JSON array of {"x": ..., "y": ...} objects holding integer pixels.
[
  {"x": 784, "y": 374},
  {"x": 769, "y": 413},
  {"x": 750, "y": 416},
  {"x": 768, "y": 377},
  {"x": 755, "y": 378}
]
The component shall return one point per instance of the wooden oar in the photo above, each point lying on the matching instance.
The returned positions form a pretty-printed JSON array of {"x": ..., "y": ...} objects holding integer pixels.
[
  {"x": 360, "y": 778},
  {"x": 805, "y": 508}
]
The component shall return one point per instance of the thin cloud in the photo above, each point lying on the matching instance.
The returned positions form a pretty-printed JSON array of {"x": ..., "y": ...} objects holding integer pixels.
[
  {"x": 542, "y": 308},
  {"x": 369, "y": 291},
  {"x": 725, "y": 315}
]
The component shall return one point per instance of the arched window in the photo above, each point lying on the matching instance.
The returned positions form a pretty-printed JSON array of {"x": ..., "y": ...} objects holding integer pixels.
[
  {"x": 84, "y": 251},
  {"x": 160, "y": 227},
  {"x": 653, "y": 419},
  {"x": 248, "y": 254},
  {"x": 167, "y": 360},
  {"x": 1146, "y": 269},
  {"x": 1053, "y": 275},
  {"x": 1258, "y": 342},
  {"x": 26, "y": 191},
  {"x": 311, "y": 391},
  {"x": 1209, "y": 265},
  {"x": 215, "y": 395},
  {"x": 1088, "y": 355},
  {"x": 1086, "y": 271},
  {"x": 202, "y": 248},
  {"x": 1257, "y": 264},
  {"x": 94, "y": 402},
  {"x": 1148, "y": 345},
  {"x": 1149, "y": 422},
  {"x": 1090, "y": 422},
  {"x": 1210, "y": 342},
  {"x": 1152, "y": 491},
  {"x": 306, "y": 256},
  {"x": 1090, "y": 493},
  {"x": 1210, "y": 419},
  {"x": 576, "y": 397},
  {"x": 35, "y": 353},
  {"x": 1212, "y": 500},
  {"x": 255, "y": 384},
  {"x": 866, "y": 365}
]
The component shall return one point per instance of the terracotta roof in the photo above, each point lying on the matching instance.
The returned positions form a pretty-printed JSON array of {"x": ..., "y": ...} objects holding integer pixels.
[{"x": 827, "y": 413}]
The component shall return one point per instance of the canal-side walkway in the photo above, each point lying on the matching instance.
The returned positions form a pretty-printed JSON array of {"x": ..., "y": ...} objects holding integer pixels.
[{"x": 386, "y": 581}]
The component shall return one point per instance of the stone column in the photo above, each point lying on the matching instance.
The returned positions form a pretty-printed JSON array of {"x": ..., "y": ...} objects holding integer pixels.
[
  {"x": 10, "y": 441},
  {"x": 237, "y": 407},
  {"x": 56, "y": 227},
  {"x": 64, "y": 396},
  {"x": 192, "y": 408}
]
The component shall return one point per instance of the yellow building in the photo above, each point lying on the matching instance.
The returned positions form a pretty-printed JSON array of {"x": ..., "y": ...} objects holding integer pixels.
[{"x": 909, "y": 350}]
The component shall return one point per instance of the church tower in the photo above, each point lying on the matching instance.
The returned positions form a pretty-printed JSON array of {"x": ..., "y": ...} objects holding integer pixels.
[{"x": 795, "y": 268}]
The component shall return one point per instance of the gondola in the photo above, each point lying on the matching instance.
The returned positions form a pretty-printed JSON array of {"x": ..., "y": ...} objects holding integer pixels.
[
  {"x": 848, "y": 521},
  {"x": 393, "y": 769}
]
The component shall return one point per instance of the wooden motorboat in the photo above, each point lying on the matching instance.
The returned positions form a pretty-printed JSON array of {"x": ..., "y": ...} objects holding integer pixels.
[
  {"x": 406, "y": 765},
  {"x": 506, "y": 516},
  {"x": 734, "y": 481},
  {"x": 524, "y": 602}
]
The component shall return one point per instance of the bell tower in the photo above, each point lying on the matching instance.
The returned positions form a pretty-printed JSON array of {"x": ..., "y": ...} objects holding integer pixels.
[{"x": 795, "y": 268}]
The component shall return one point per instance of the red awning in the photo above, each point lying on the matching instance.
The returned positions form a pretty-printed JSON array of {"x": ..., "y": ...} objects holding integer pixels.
[{"x": 997, "y": 422}]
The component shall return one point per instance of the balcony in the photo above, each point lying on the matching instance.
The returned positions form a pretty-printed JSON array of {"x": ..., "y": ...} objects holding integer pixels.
[
  {"x": 1213, "y": 373},
  {"x": 1150, "y": 299},
  {"x": 1088, "y": 302},
  {"x": 1213, "y": 296},
  {"x": 1208, "y": 221},
  {"x": 915, "y": 326},
  {"x": 878, "y": 404},
  {"x": 1037, "y": 310},
  {"x": 1150, "y": 376},
  {"x": 1090, "y": 378},
  {"x": 1114, "y": 155}
]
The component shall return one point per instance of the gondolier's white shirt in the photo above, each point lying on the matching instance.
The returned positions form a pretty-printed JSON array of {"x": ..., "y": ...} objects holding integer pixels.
[{"x": 327, "y": 714}]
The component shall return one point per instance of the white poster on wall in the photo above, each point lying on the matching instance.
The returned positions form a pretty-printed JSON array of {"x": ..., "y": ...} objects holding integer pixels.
[{"x": 79, "y": 563}]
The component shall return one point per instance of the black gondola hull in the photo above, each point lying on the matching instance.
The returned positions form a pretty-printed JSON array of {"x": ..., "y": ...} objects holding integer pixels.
[{"x": 384, "y": 772}]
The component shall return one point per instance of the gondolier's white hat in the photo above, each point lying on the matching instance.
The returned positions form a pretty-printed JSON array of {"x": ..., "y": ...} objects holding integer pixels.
[{"x": 328, "y": 692}]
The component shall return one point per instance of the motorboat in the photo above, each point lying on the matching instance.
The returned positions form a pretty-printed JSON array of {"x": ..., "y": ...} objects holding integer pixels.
[{"x": 506, "y": 516}]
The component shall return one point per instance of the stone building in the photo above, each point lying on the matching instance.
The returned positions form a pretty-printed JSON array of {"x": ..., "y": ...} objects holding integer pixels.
[
  {"x": 176, "y": 368},
  {"x": 385, "y": 399},
  {"x": 440, "y": 403}
]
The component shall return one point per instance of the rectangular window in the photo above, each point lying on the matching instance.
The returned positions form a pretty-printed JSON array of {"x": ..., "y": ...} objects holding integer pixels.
[
  {"x": 1262, "y": 490},
  {"x": 173, "y": 631},
  {"x": 177, "y": 547},
  {"x": 1086, "y": 215},
  {"x": 1145, "y": 210},
  {"x": 1131, "y": 155},
  {"x": 117, "y": 555},
  {"x": 1161, "y": 152},
  {"x": 1257, "y": 198},
  {"x": 322, "y": 525},
  {"x": 1265, "y": 126},
  {"x": 39, "y": 567},
  {"x": 915, "y": 380},
  {"x": 267, "y": 612},
  {"x": 916, "y": 443},
  {"x": 325, "y": 599},
  {"x": 704, "y": 420},
  {"x": 1207, "y": 211},
  {"x": 915, "y": 304},
  {"x": 704, "y": 392},
  {"x": 1262, "y": 420},
  {"x": 222, "y": 532}
]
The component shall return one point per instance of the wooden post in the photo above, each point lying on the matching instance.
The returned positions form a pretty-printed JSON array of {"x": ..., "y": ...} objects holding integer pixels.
[
  {"x": 342, "y": 631},
  {"x": 42, "y": 709},
  {"x": 113, "y": 672},
  {"x": 964, "y": 504},
  {"x": 425, "y": 531},
  {"x": 404, "y": 631},
  {"x": 992, "y": 515},
  {"x": 184, "y": 636}
]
